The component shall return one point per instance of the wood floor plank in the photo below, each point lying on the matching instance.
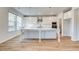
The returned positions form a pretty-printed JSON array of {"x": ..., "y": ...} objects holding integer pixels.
[{"x": 46, "y": 45}]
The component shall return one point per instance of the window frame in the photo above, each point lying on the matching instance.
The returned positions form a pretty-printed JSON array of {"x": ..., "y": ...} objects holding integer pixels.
[
  {"x": 13, "y": 21},
  {"x": 19, "y": 27}
]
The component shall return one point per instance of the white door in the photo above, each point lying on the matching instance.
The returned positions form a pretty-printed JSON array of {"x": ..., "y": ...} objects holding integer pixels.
[{"x": 67, "y": 27}]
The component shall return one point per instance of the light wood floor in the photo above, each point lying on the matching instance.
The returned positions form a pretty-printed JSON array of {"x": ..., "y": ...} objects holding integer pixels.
[{"x": 46, "y": 45}]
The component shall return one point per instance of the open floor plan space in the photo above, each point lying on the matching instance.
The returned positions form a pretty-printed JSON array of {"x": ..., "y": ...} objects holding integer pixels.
[
  {"x": 39, "y": 28},
  {"x": 46, "y": 45}
]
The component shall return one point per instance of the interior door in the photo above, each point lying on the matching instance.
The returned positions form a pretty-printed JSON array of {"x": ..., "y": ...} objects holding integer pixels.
[
  {"x": 77, "y": 25},
  {"x": 67, "y": 27}
]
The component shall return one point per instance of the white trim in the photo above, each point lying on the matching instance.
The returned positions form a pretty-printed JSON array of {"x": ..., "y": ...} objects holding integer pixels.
[
  {"x": 9, "y": 38},
  {"x": 73, "y": 10},
  {"x": 58, "y": 30},
  {"x": 62, "y": 23},
  {"x": 75, "y": 40},
  {"x": 72, "y": 34}
]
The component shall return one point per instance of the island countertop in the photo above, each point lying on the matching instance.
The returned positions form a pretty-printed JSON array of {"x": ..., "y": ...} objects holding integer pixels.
[{"x": 39, "y": 29}]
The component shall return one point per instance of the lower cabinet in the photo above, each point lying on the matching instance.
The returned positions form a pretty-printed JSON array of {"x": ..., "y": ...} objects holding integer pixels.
[
  {"x": 50, "y": 34},
  {"x": 47, "y": 34},
  {"x": 43, "y": 34},
  {"x": 31, "y": 34}
]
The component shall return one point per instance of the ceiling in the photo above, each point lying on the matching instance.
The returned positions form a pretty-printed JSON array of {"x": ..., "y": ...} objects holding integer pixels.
[{"x": 34, "y": 11}]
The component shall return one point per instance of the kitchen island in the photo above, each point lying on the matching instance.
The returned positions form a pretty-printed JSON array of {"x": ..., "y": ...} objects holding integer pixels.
[{"x": 39, "y": 33}]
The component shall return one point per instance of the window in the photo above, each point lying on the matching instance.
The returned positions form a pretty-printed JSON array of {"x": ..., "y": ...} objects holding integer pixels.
[
  {"x": 12, "y": 22},
  {"x": 19, "y": 23}
]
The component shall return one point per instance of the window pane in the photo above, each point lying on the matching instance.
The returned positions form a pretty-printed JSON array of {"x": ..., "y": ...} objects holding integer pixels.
[
  {"x": 12, "y": 22},
  {"x": 11, "y": 29},
  {"x": 19, "y": 23}
]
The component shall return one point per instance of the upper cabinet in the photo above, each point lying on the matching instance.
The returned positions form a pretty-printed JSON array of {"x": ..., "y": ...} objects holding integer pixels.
[
  {"x": 47, "y": 21},
  {"x": 68, "y": 15}
]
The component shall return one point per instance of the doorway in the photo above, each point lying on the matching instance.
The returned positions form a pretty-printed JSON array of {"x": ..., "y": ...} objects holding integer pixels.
[{"x": 67, "y": 27}]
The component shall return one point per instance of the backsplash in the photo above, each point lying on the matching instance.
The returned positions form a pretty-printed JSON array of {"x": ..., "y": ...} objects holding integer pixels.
[{"x": 31, "y": 22}]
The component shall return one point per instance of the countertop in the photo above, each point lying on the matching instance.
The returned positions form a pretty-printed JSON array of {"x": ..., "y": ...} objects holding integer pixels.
[{"x": 39, "y": 29}]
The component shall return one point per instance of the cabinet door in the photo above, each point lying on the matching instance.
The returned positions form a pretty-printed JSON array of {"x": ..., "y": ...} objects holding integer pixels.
[
  {"x": 47, "y": 22},
  {"x": 50, "y": 34},
  {"x": 43, "y": 34},
  {"x": 31, "y": 34}
]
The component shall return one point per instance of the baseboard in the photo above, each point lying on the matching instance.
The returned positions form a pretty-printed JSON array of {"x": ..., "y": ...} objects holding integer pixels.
[
  {"x": 66, "y": 36},
  {"x": 9, "y": 38},
  {"x": 75, "y": 40}
]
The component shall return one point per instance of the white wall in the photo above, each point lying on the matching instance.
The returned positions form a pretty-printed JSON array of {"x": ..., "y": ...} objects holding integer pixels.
[
  {"x": 75, "y": 24},
  {"x": 4, "y": 34},
  {"x": 67, "y": 24},
  {"x": 74, "y": 31}
]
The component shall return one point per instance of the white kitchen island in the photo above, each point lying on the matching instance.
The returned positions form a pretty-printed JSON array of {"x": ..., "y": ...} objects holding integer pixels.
[{"x": 39, "y": 33}]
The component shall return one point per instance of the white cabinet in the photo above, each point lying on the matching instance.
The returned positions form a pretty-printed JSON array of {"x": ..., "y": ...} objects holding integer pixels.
[
  {"x": 31, "y": 34},
  {"x": 47, "y": 21},
  {"x": 45, "y": 34},
  {"x": 32, "y": 22},
  {"x": 68, "y": 15},
  {"x": 50, "y": 35}
]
